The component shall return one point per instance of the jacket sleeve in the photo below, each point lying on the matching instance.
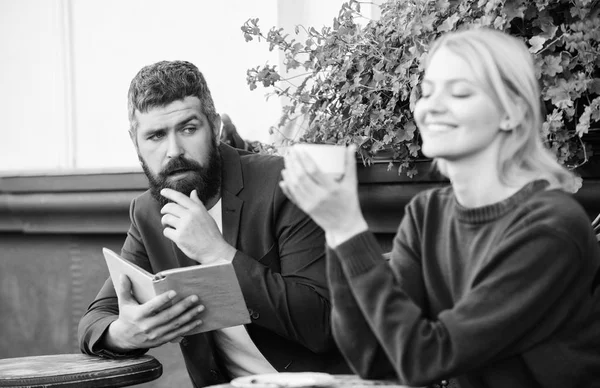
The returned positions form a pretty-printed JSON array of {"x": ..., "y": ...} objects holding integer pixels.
[
  {"x": 105, "y": 307},
  {"x": 483, "y": 326},
  {"x": 294, "y": 301}
]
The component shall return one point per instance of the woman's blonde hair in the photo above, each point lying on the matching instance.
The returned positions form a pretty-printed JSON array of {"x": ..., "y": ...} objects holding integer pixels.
[{"x": 505, "y": 67}]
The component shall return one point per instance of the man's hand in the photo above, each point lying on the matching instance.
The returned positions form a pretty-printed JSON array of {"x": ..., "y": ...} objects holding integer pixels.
[
  {"x": 188, "y": 224},
  {"x": 148, "y": 325}
]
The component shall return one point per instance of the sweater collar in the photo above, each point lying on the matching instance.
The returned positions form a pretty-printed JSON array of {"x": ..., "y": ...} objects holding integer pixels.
[{"x": 496, "y": 210}]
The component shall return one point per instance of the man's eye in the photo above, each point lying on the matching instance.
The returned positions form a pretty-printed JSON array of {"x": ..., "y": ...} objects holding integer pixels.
[
  {"x": 189, "y": 130},
  {"x": 156, "y": 136}
]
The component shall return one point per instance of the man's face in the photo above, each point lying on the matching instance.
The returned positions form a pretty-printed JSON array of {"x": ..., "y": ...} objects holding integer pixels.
[{"x": 177, "y": 147}]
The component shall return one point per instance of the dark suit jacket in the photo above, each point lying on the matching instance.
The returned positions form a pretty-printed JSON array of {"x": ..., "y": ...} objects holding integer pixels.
[{"x": 280, "y": 264}]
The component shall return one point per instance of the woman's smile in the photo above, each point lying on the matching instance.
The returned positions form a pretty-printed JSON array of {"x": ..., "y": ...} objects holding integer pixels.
[{"x": 435, "y": 127}]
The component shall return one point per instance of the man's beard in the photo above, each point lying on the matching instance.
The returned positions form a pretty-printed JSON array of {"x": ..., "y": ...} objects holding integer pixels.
[{"x": 205, "y": 180}]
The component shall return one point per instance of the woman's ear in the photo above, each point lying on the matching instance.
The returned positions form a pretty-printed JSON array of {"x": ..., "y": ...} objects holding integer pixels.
[
  {"x": 512, "y": 119},
  {"x": 505, "y": 124}
]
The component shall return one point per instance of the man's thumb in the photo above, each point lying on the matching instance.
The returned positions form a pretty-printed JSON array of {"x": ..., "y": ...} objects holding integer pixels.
[
  {"x": 194, "y": 196},
  {"x": 124, "y": 289}
]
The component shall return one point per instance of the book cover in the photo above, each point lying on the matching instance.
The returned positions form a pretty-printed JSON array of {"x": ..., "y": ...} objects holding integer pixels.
[{"x": 215, "y": 284}]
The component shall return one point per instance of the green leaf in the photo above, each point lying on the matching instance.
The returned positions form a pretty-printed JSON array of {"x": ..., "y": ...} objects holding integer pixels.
[
  {"x": 560, "y": 93},
  {"x": 544, "y": 20},
  {"x": 427, "y": 21},
  {"x": 536, "y": 43},
  {"x": 542, "y": 4},
  {"x": 378, "y": 76},
  {"x": 442, "y": 6},
  {"x": 414, "y": 149},
  {"x": 449, "y": 23},
  {"x": 514, "y": 9},
  {"x": 552, "y": 65},
  {"x": 553, "y": 123},
  {"x": 591, "y": 112},
  {"x": 594, "y": 86}
]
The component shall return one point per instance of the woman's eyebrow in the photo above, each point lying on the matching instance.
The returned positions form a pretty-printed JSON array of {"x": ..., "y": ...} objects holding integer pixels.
[{"x": 448, "y": 81}]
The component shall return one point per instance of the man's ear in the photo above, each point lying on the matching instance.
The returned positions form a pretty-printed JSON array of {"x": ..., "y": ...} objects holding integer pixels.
[
  {"x": 133, "y": 138},
  {"x": 217, "y": 128}
]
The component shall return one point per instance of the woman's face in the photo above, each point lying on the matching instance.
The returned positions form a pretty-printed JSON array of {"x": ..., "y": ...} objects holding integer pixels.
[{"x": 457, "y": 118}]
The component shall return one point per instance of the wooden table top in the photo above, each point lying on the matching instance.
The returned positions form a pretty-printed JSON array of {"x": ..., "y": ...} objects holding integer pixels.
[{"x": 76, "y": 370}]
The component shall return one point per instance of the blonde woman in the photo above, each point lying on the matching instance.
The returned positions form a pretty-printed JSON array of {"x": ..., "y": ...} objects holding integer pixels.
[{"x": 492, "y": 280}]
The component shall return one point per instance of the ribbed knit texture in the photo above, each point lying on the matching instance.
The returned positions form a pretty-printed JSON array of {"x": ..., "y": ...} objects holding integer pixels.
[
  {"x": 496, "y": 296},
  {"x": 492, "y": 212}
]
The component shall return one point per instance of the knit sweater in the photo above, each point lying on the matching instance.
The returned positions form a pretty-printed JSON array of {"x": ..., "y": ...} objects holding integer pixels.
[{"x": 503, "y": 295}]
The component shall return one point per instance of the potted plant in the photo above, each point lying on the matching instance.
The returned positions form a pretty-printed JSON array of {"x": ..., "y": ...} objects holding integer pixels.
[{"x": 360, "y": 82}]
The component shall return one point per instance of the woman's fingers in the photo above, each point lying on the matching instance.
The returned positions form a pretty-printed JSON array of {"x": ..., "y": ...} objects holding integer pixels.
[
  {"x": 350, "y": 169},
  {"x": 288, "y": 193},
  {"x": 294, "y": 183}
]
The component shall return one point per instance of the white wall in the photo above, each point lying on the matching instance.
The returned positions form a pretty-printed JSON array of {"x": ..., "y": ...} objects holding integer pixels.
[
  {"x": 32, "y": 114},
  {"x": 65, "y": 68}
]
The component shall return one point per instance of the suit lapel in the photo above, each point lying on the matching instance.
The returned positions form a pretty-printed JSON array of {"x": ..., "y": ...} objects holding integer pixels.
[
  {"x": 232, "y": 211},
  {"x": 232, "y": 183}
]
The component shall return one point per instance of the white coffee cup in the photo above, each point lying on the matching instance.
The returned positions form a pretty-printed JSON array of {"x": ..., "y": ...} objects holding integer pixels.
[{"x": 330, "y": 158}]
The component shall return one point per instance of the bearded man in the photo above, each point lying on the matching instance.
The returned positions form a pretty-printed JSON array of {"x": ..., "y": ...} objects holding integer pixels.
[{"x": 209, "y": 201}]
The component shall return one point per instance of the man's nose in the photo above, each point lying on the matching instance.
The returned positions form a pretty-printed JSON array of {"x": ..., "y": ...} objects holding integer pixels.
[{"x": 175, "y": 148}]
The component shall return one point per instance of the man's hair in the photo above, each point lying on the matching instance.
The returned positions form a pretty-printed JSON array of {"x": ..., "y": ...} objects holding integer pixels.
[
  {"x": 504, "y": 67},
  {"x": 164, "y": 82}
]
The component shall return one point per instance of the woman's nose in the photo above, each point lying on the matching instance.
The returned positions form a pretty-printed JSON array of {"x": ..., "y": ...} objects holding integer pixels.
[
  {"x": 435, "y": 102},
  {"x": 433, "y": 105}
]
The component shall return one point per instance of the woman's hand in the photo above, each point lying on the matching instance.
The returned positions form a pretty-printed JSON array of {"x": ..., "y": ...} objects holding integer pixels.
[{"x": 332, "y": 204}]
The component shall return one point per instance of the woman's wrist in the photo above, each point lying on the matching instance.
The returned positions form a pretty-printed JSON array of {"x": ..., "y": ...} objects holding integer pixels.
[{"x": 344, "y": 233}]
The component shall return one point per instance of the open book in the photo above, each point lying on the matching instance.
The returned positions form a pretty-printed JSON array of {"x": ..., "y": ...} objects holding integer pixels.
[{"x": 215, "y": 284}]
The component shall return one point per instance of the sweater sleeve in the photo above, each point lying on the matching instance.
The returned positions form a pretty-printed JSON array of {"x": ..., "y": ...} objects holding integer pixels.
[
  {"x": 535, "y": 266},
  {"x": 351, "y": 330}
]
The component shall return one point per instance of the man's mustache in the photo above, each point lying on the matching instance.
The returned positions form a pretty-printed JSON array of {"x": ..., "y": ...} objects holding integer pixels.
[{"x": 180, "y": 164}]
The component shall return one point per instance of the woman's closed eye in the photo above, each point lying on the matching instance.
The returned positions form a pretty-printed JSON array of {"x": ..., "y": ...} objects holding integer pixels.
[
  {"x": 461, "y": 89},
  {"x": 455, "y": 89},
  {"x": 461, "y": 92}
]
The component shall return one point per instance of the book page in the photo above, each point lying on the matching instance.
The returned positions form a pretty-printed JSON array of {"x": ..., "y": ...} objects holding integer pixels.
[{"x": 142, "y": 281}]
